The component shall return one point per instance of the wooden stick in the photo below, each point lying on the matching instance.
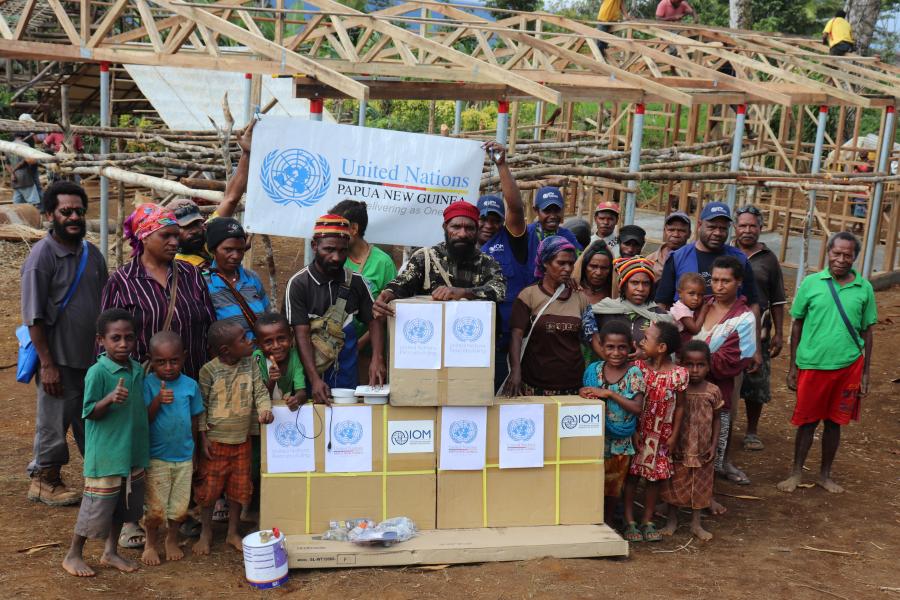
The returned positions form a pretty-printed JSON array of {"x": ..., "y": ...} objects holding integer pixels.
[
  {"x": 153, "y": 183},
  {"x": 827, "y": 551},
  {"x": 818, "y": 589}
]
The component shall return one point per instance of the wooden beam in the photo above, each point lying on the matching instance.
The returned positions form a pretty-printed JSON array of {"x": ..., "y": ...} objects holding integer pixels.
[
  {"x": 290, "y": 60},
  {"x": 65, "y": 22},
  {"x": 24, "y": 17},
  {"x": 5, "y": 32},
  {"x": 306, "y": 87},
  {"x": 149, "y": 25},
  {"x": 106, "y": 23}
]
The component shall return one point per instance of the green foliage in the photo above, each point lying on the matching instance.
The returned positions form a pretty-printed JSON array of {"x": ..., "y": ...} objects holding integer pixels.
[{"x": 522, "y": 5}]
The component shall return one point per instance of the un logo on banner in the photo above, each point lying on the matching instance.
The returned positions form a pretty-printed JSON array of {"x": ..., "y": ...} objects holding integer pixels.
[
  {"x": 295, "y": 176},
  {"x": 569, "y": 422},
  {"x": 418, "y": 331},
  {"x": 348, "y": 432},
  {"x": 467, "y": 329},
  {"x": 463, "y": 432},
  {"x": 520, "y": 430},
  {"x": 288, "y": 435}
]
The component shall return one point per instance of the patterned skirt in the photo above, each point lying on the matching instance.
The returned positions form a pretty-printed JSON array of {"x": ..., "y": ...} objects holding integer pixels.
[{"x": 689, "y": 487}]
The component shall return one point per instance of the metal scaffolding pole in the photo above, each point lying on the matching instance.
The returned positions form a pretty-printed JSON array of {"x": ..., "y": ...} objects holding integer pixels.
[
  {"x": 811, "y": 206},
  {"x": 457, "y": 117},
  {"x": 502, "y": 121},
  {"x": 248, "y": 97},
  {"x": 872, "y": 233},
  {"x": 538, "y": 118},
  {"x": 363, "y": 108},
  {"x": 736, "y": 146},
  {"x": 104, "y": 149},
  {"x": 634, "y": 164}
]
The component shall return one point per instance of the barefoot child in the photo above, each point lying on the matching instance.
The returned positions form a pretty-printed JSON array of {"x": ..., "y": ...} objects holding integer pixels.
[
  {"x": 658, "y": 427},
  {"x": 279, "y": 361},
  {"x": 116, "y": 446},
  {"x": 621, "y": 385},
  {"x": 691, "y": 484},
  {"x": 690, "y": 310},
  {"x": 231, "y": 386},
  {"x": 173, "y": 404}
]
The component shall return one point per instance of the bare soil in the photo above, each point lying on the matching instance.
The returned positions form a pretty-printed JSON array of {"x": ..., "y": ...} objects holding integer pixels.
[{"x": 762, "y": 547}]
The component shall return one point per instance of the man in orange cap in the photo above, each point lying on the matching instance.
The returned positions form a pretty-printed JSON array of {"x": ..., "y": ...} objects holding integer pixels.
[
  {"x": 453, "y": 270},
  {"x": 606, "y": 216}
]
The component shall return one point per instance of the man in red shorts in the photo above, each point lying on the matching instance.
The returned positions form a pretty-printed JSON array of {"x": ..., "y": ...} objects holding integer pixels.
[{"x": 831, "y": 350}]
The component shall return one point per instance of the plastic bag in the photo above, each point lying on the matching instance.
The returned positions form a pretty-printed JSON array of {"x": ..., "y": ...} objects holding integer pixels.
[
  {"x": 338, "y": 531},
  {"x": 387, "y": 533}
]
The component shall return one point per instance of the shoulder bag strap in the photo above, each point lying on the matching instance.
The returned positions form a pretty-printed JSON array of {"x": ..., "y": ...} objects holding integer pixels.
[
  {"x": 249, "y": 315},
  {"x": 850, "y": 328},
  {"x": 82, "y": 264},
  {"x": 537, "y": 317},
  {"x": 170, "y": 312}
]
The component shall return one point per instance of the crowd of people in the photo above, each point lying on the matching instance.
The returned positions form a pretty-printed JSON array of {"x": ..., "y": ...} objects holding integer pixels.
[{"x": 165, "y": 369}]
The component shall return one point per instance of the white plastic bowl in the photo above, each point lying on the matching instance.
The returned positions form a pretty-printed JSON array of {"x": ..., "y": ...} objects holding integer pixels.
[{"x": 344, "y": 395}]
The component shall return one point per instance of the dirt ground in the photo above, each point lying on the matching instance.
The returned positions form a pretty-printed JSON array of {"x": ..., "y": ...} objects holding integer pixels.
[{"x": 762, "y": 547}]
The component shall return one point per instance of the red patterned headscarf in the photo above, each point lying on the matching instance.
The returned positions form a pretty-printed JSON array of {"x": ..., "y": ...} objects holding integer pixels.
[{"x": 146, "y": 219}]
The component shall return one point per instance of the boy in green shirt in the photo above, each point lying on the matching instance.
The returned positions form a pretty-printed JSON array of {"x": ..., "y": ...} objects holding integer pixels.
[
  {"x": 278, "y": 360},
  {"x": 117, "y": 446}
]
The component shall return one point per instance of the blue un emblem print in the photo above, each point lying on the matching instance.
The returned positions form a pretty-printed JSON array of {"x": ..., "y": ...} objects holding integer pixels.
[
  {"x": 463, "y": 431},
  {"x": 348, "y": 432},
  {"x": 295, "y": 176},
  {"x": 418, "y": 331},
  {"x": 520, "y": 430},
  {"x": 288, "y": 435},
  {"x": 467, "y": 329}
]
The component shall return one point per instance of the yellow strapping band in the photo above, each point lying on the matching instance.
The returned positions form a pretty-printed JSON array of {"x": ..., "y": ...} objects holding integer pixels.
[{"x": 556, "y": 483}]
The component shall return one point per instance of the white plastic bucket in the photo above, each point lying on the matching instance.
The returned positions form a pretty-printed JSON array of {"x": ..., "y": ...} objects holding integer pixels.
[{"x": 265, "y": 562}]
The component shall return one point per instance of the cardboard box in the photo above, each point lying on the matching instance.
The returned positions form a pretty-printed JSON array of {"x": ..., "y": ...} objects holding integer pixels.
[
  {"x": 460, "y": 546},
  {"x": 568, "y": 490},
  {"x": 400, "y": 484},
  {"x": 447, "y": 386}
]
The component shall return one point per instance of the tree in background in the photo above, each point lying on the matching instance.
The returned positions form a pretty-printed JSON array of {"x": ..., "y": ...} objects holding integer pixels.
[
  {"x": 863, "y": 15},
  {"x": 521, "y": 5},
  {"x": 740, "y": 14}
]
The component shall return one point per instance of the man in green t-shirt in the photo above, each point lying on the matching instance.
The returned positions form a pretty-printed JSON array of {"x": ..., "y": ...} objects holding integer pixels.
[
  {"x": 374, "y": 264},
  {"x": 831, "y": 351}
]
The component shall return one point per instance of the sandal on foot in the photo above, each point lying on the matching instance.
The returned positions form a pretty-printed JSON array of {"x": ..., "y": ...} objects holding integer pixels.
[
  {"x": 632, "y": 533},
  {"x": 735, "y": 475},
  {"x": 132, "y": 536},
  {"x": 752, "y": 442},
  {"x": 650, "y": 533},
  {"x": 220, "y": 512},
  {"x": 190, "y": 528}
]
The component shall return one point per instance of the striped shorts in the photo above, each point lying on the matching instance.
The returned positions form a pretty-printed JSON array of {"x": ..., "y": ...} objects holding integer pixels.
[{"x": 109, "y": 499}]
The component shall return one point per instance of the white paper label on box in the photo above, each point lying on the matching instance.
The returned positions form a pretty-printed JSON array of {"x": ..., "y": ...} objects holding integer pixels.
[
  {"x": 521, "y": 436},
  {"x": 469, "y": 333},
  {"x": 417, "y": 338},
  {"x": 408, "y": 437},
  {"x": 349, "y": 431},
  {"x": 290, "y": 443},
  {"x": 463, "y": 438},
  {"x": 581, "y": 421}
]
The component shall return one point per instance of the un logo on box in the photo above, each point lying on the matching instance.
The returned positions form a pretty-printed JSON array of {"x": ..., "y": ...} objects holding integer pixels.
[
  {"x": 520, "y": 430},
  {"x": 463, "y": 431},
  {"x": 295, "y": 176},
  {"x": 418, "y": 331},
  {"x": 468, "y": 329},
  {"x": 348, "y": 432}
]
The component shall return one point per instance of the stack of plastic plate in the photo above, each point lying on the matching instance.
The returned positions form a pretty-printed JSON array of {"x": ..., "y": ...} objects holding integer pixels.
[
  {"x": 344, "y": 395},
  {"x": 374, "y": 394}
]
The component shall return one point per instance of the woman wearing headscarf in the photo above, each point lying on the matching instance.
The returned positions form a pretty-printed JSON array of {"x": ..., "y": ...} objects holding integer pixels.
[
  {"x": 549, "y": 322},
  {"x": 634, "y": 304},
  {"x": 145, "y": 287},
  {"x": 163, "y": 294},
  {"x": 237, "y": 293}
]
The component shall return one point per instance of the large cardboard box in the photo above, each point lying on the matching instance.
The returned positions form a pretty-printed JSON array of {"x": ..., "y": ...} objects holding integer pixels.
[
  {"x": 460, "y": 546},
  {"x": 568, "y": 490},
  {"x": 400, "y": 484},
  {"x": 447, "y": 386}
]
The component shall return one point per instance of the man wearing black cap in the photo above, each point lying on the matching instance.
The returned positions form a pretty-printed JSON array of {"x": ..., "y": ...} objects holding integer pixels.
[
  {"x": 192, "y": 235},
  {"x": 676, "y": 231},
  {"x": 631, "y": 241}
]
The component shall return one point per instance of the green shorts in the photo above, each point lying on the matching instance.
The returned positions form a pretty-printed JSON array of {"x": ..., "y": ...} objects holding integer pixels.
[{"x": 756, "y": 386}]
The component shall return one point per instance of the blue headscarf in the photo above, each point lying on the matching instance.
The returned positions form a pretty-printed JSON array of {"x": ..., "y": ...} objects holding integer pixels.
[{"x": 550, "y": 247}]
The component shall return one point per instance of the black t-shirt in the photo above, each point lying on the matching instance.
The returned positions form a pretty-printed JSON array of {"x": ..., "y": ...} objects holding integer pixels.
[
  {"x": 668, "y": 283},
  {"x": 310, "y": 294}
]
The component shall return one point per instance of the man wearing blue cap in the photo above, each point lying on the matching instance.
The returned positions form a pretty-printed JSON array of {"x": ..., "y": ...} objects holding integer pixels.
[
  {"x": 513, "y": 244},
  {"x": 712, "y": 233}
]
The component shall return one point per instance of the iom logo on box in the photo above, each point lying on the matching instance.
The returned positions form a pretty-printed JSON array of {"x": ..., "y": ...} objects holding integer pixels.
[
  {"x": 289, "y": 435},
  {"x": 463, "y": 431},
  {"x": 520, "y": 430},
  {"x": 580, "y": 421},
  {"x": 468, "y": 329},
  {"x": 418, "y": 331},
  {"x": 295, "y": 176},
  {"x": 348, "y": 433}
]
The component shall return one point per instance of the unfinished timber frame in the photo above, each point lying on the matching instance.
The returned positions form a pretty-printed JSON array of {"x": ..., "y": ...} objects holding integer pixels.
[{"x": 688, "y": 81}]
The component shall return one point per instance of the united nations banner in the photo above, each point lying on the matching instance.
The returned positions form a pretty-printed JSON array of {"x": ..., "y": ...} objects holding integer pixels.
[{"x": 299, "y": 169}]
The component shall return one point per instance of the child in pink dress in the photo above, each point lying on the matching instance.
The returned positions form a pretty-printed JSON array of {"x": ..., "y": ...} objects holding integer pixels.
[{"x": 658, "y": 426}]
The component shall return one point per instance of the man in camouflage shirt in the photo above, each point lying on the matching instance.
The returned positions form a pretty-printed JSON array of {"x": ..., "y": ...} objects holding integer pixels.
[{"x": 453, "y": 270}]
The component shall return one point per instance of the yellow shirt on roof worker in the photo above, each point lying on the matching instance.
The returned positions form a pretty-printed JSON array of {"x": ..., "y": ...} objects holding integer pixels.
[
  {"x": 611, "y": 11},
  {"x": 838, "y": 35}
]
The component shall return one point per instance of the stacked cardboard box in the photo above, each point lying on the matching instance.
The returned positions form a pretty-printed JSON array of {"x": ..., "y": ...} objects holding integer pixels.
[
  {"x": 567, "y": 490},
  {"x": 446, "y": 386},
  {"x": 400, "y": 483}
]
